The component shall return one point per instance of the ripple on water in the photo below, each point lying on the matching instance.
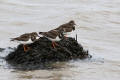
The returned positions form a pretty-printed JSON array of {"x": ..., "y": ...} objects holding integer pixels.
[{"x": 98, "y": 30}]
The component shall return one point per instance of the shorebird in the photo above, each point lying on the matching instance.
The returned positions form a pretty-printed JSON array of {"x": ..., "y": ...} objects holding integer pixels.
[
  {"x": 67, "y": 27},
  {"x": 26, "y": 39},
  {"x": 52, "y": 35}
]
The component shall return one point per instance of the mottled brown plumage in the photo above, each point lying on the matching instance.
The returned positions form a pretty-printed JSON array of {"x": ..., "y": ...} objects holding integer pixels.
[
  {"x": 26, "y": 38},
  {"x": 67, "y": 27},
  {"x": 53, "y": 35}
]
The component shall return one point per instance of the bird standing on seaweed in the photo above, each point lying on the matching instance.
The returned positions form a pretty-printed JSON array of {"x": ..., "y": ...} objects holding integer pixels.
[
  {"x": 26, "y": 39},
  {"x": 67, "y": 27},
  {"x": 53, "y": 35}
]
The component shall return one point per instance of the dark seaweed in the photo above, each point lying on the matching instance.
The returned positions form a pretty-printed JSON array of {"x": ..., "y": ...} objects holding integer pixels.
[{"x": 41, "y": 52}]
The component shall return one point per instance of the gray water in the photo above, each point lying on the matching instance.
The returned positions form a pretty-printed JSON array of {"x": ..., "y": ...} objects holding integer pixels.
[{"x": 98, "y": 29}]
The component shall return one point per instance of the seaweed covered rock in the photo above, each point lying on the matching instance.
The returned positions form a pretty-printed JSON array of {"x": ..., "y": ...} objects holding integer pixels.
[{"x": 42, "y": 52}]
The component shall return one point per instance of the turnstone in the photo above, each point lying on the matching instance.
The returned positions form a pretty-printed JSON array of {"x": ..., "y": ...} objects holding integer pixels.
[
  {"x": 52, "y": 35},
  {"x": 26, "y": 39},
  {"x": 67, "y": 27}
]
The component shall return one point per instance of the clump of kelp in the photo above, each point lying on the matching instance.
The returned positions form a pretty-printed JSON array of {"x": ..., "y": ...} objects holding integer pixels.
[{"x": 41, "y": 52}]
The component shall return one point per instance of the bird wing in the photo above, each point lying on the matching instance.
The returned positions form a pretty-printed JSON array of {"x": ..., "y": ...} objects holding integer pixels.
[
  {"x": 52, "y": 34},
  {"x": 23, "y": 37}
]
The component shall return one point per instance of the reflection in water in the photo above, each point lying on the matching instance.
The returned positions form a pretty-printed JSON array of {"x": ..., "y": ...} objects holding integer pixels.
[
  {"x": 73, "y": 70},
  {"x": 52, "y": 74},
  {"x": 98, "y": 30}
]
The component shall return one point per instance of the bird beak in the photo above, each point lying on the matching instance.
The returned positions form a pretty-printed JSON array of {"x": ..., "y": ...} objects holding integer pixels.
[{"x": 73, "y": 28}]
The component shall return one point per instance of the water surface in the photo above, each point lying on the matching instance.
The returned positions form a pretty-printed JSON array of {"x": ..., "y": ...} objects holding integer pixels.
[{"x": 98, "y": 29}]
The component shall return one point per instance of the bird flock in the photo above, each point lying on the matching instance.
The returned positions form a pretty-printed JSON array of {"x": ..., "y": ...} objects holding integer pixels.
[{"x": 53, "y": 35}]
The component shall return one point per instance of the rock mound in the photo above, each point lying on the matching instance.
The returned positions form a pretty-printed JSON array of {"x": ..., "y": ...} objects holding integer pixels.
[{"x": 41, "y": 52}]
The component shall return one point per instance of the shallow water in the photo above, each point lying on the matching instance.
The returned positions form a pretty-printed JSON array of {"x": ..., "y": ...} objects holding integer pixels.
[{"x": 98, "y": 29}]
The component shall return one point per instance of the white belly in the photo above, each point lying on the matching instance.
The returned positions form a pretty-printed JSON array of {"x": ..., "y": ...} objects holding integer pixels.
[
  {"x": 24, "y": 42},
  {"x": 69, "y": 33},
  {"x": 56, "y": 39}
]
